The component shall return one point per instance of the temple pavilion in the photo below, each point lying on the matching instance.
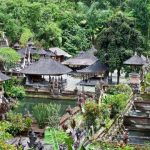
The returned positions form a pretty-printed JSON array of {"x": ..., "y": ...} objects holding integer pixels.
[
  {"x": 135, "y": 78},
  {"x": 30, "y": 53},
  {"x": 91, "y": 74},
  {"x": 60, "y": 55},
  {"x": 82, "y": 60},
  {"x": 135, "y": 60},
  {"x": 46, "y": 74}
]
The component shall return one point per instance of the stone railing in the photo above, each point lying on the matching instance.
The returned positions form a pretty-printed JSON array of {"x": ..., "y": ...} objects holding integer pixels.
[
  {"x": 107, "y": 134},
  {"x": 67, "y": 116}
]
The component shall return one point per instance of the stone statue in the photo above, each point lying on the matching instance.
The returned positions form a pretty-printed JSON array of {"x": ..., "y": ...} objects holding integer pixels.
[
  {"x": 4, "y": 107},
  {"x": 32, "y": 143},
  {"x": 32, "y": 139},
  {"x": 4, "y": 39}
]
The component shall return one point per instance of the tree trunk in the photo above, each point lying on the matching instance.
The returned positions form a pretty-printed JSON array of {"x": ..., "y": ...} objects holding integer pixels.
[
  {"x": 1, "y": 66},
  {"x": 118, "y": 76},
  {"x": 93, "y": 39}
]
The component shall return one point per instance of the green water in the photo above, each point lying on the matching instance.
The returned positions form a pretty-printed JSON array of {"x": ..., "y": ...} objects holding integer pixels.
[{"x": 29, "y": 103}]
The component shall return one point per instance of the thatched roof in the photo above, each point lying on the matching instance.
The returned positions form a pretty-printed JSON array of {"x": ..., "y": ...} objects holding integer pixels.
[
  {"x": 134, "y": 60},
  {"x": 146, "y": 60},
  {"x": 82, "y": 59},
  {"x": 97, "y": 67},
  {"x": 16, "y": 45},
  {"x": 46, "y": 66},
  {"x": 30, "y": 43},
  {"x": 22, "y": 52},
  {"x": 32, "y": 50},
  {"x": 49, "y": 53},
  {"x": 92, "y": 50},
  {"x": 41, "y": 52},
  {"x": 3, "y": 77},
  {"x": 59, "y": 52}
]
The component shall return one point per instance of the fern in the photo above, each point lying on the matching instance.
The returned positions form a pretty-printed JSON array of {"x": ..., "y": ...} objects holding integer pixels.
[{"x": 55, "y": 137}]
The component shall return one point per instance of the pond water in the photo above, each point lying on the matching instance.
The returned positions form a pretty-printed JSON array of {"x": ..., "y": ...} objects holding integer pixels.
[{"x": 28, "y": 103}]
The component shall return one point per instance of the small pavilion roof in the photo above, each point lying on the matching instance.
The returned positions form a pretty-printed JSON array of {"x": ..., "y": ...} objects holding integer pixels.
[
  {"x": 30, "y": 43},
  {"x": 82, "y": 59},
  {"x": 135, "y": 60},
  {"x": 59, "y": 52},
  {"x": 97, "y": 67},
  {"x": 22, "y": 52},
  {"x": 146, "y": 60},
  {"x": 46, "y": 66},
  {"x": 16, "y": 45},
  {"x": 92, "y": 50},
  {"x": 49, "y": 53},
  {"x": 3, "y": 77},
  {"x": 32, "y": 50},
  {"x": 42, "y": 52}
]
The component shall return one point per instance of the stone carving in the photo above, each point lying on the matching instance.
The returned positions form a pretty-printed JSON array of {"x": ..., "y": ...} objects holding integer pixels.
[
  {"x": 99, "y": 91},
  {"x": 32, "y": 142},
  {"x": 56, "y": 86},
  {"x": 4, "y": 107}
]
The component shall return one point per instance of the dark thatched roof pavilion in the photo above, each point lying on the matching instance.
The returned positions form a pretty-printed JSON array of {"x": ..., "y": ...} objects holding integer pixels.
[
  {"x": 49, "y": 53},
  {"x": 135, "y": 61},
  {"x": 46, "y": 66},
  {"x": 97, "y": 67},
  {"x": 3, "y": 77},
  {"x": 41, "y": 52}
]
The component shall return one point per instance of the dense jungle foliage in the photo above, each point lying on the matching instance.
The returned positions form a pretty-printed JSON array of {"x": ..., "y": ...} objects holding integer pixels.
[{"x": 74, "y": 25}]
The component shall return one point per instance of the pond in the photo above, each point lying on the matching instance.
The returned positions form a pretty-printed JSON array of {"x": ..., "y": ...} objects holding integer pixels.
[{"x": 28, "y": 103}]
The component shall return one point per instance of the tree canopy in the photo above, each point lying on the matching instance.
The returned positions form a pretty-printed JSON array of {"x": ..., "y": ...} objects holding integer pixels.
[
  {"x": 8, "y": 57},
  {"x": 119, "y": 40},
  {"x": 72, "y": 25}
]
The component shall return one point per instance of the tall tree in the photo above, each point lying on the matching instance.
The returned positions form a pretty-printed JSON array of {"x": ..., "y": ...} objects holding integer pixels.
[
  {"x": 140, "y": 10},
  {"x": 8, "y": 58},
  {"x": 117, "y": 41},
  {"x": 94, "y": 18}
]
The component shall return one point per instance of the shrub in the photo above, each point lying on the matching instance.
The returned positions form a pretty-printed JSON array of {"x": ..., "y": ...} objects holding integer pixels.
[
  {"x": 119, "y": 89},
  {"x": 4, "y": 135},
  {"x": 92, "y": 113},
  {"x": 18, "y": 92},
  {"x": 57, "y": 137},
  {"x": 17, "y": 123},
  {"x": 5, "y": 146},
  {"x": 116, "y": 102},
  {"x": 13, "y": 89},
  {"x": 147, "y": 77},
  {"x": 45, "y": 113},
  {"x": 9, "y": 57}
]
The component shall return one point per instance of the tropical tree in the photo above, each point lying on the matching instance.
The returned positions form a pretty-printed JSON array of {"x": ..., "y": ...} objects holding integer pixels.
[
  {"x": 117, "y": 41},
  {"x": 93, "y": 18},
  {"x": 140, "y": 10},
  {"x": 8, "y": 58}
]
